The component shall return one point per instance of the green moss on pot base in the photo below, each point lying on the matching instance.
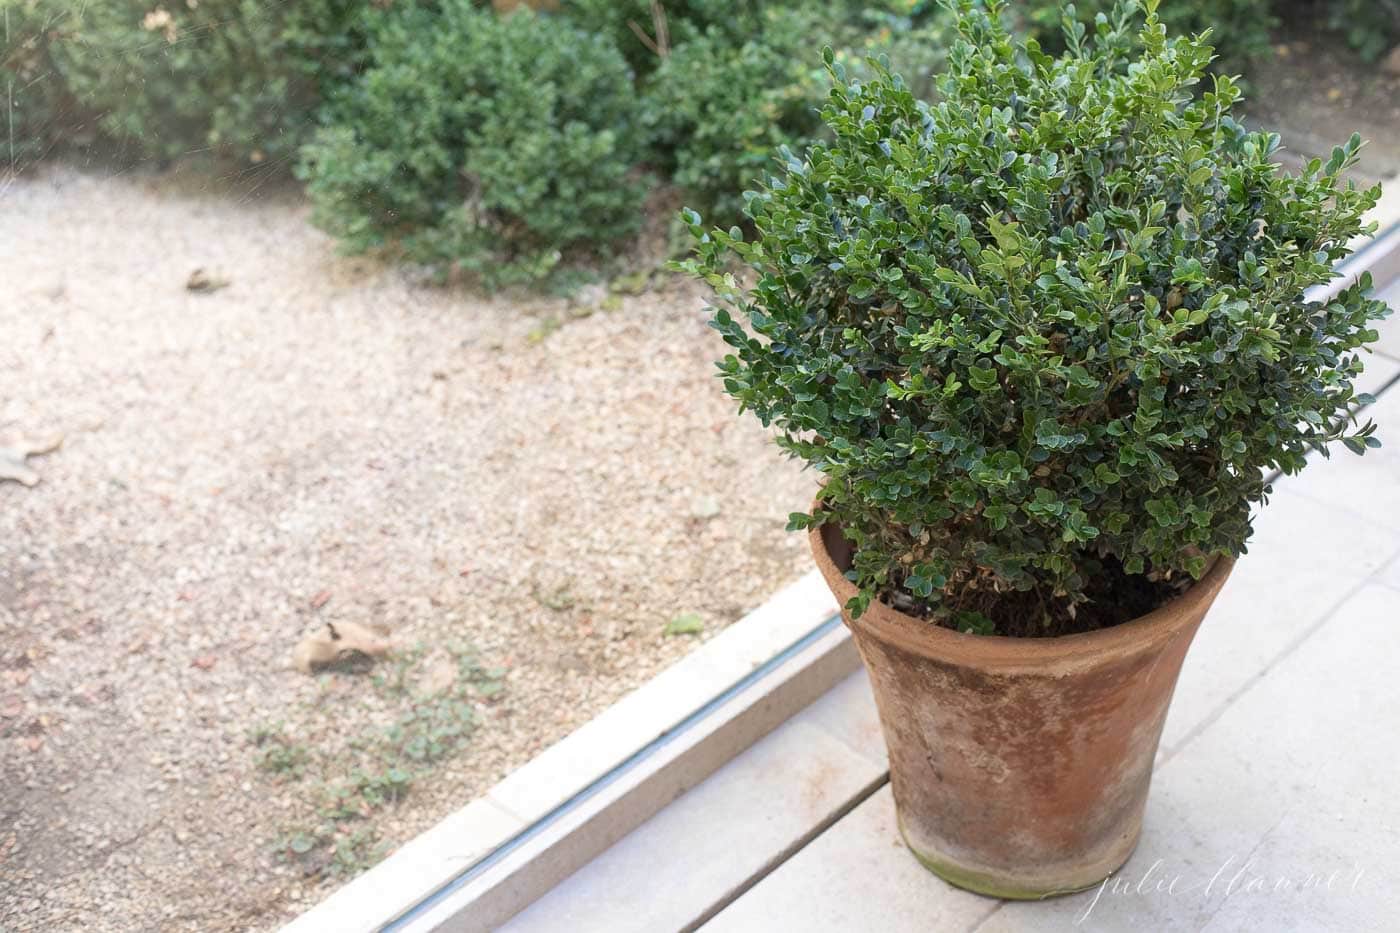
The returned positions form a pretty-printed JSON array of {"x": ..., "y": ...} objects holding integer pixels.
[{"x": 988, "y": 885}]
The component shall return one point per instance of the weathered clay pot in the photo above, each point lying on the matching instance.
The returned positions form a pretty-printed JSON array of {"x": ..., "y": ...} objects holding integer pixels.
[{"x": 1020, "y": 766}]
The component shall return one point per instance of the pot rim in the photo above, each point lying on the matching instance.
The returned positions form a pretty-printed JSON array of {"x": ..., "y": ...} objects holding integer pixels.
[{"x": 918, "y": 636}]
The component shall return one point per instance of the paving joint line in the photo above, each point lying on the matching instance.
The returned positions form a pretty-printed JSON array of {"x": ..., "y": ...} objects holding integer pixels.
[{"x": 784, "y": 857}]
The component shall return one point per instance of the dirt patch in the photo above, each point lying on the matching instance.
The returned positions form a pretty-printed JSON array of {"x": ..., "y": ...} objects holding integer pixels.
[
  {"x": 1315, "y": 93},
  {"x": 323, "y": 439}
]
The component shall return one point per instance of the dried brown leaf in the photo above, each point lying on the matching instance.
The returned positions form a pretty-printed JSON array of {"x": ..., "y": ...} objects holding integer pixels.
[
  {"x": 13, "y": 457},
  {"x": 203, "y": 281},
  {"x": 336, "y": 641}
]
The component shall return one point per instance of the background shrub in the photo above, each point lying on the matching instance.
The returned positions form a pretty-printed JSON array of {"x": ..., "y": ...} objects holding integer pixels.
[
  {"x": 1239, "y": 28},
  {"x": 495, "y": 145},
  {"x": 730, "y": 22},
  {"x": 1048, "y": 333},
  {"x": 1369, "y": 26},
  {"x": 915, "y": 41},
  {"x": 242, "y": 78},
  {"x": 731, "y": 85},
  {"x": 36, "y": 110},
  {"x": 718, "y": 109}
]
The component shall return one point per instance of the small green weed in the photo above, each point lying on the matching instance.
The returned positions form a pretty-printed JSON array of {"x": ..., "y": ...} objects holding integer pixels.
[
  {"x": 278, "y": 755},
  {"x": 558, "y": 599},
  {"x": 434, "y": 694}
]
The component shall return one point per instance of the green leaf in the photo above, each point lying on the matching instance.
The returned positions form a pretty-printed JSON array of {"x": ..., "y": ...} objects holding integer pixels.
[
  {"x": 799, "y": 521},
  {"x": 974, "y": 623},
  {"x": 983, "y": 379},
  {"x": 687, "y": 623},
  {"x": 1165, "y": 511}
]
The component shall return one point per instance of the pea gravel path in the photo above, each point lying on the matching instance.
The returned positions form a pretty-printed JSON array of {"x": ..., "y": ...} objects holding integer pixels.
[{"x": 322, "y": 439}]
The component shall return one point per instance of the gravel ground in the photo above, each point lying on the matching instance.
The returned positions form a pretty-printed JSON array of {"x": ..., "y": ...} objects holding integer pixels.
[{"x": 322, "y": 439}]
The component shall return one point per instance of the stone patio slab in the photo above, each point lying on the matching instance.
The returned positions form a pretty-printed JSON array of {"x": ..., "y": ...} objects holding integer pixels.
[
  {"x": 698, "y": 852},
  {"x": 848, "y": 713},
  {"x": 855, "y": 876},
  {"x": 1294, "y": 575},
  {"x": 1366, "y": 487}
]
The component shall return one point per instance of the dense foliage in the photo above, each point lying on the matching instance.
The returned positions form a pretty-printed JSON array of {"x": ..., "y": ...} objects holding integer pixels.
[
  {"x": 632, "y": 25},
  {"x": 1239, "y": 29},
  {"x": 1048, "y": 330},
  {"x": 35, "y": 107},
  {"x": 717, "y": 110},
  {"x": 239, "y": 77},
  {"x": 1370, "y": 26},
  {"x": 497, "y": 145},
  {"x": 716, "y": 87}
]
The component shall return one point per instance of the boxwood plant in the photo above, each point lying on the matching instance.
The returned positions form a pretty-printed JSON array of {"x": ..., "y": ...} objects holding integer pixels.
[
  {"x": 501, "y": 146},
  {"x": 1046, "y": 337}
]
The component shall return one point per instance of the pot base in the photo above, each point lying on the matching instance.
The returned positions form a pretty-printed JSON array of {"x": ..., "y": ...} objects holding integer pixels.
[
  {"x": 1020, "y": 767},
  {"x": 989, "y": 884}
]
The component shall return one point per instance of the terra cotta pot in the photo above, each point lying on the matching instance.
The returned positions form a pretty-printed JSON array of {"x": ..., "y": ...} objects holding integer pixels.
[{"x": 1020, "y": 766}]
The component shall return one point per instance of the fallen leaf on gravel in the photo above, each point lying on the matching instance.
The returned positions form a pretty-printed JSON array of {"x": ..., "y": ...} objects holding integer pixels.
[
  {"x": 202, "y": 280},
  {"x": 687, "y": 623},
  {"x": 203, "y": 662},
  {"x": 335, "y": 641},
  {"x": 320, "y": 599},
  {"x": 33, "y": 743},
  {"x": 13, "y": 456}
]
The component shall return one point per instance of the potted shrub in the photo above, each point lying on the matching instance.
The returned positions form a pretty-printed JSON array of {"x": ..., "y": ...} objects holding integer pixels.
[{"x": 1044, "y": 339}]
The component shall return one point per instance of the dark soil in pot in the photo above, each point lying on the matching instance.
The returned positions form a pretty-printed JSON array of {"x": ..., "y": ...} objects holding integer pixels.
[{"x": 1114, "y": 597}]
